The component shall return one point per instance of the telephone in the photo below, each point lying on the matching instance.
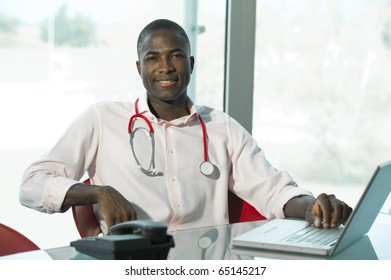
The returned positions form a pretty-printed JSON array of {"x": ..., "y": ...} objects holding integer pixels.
[{"x": 132, "y": 240}]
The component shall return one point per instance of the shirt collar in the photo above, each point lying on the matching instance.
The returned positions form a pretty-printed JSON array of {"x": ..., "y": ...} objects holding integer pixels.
[{"x": 143, "y": 108}]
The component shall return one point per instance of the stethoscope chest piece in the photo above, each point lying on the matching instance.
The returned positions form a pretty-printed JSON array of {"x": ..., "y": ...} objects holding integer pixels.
[{"x": 206, "y": 168}]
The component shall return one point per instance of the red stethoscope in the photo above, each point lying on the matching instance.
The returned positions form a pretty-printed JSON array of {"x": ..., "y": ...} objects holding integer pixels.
[{"x": 206, "y": 167}]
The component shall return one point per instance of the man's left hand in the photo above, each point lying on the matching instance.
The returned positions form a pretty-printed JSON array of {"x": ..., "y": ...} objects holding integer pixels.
[{"x": 327, "y": 211}]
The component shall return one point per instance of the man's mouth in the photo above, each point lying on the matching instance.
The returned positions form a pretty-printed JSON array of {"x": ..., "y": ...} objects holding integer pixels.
[{"x": 167, "y": 83}]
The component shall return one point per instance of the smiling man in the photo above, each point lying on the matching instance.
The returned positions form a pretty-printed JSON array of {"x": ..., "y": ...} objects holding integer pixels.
[
  {"x": 165, "y": 66},
  {"x": 181, "y": 161}
]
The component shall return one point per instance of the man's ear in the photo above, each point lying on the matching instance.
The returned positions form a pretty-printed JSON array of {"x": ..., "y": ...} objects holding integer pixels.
[
  {"x": 138, "y": 64},
  {"x": 192, "y": 63}
]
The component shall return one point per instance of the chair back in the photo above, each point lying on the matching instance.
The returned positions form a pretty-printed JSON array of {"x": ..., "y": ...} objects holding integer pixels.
[
  {"x": 85, "y": 220},
  {"x": 12, "y": 241},
  {"x": 240, "y": 211}
]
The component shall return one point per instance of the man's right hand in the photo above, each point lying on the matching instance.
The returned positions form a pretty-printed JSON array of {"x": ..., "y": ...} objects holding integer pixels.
[{"x": 113, "y": 207}]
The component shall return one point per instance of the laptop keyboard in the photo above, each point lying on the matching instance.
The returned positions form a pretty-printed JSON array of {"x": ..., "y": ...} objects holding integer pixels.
[{"x": 315, "y": 236}]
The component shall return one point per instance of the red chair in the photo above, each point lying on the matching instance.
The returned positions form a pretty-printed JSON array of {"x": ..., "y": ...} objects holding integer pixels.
[
  {"x": 12, "y": 242},
  {"x": 238, "y": 209},
  {"x": 85, "y": 220}
]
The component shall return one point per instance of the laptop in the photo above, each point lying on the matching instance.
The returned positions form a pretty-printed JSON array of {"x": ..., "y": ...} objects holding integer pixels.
[
  {"x": 362, "y": 250},
  {"x": 291, "y": 235}
]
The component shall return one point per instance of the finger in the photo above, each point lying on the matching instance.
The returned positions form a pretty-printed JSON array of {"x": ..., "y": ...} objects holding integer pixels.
[
  {"x": 120, "y": 219},
  {"x": 127, "y": 214},
  {"x": 123, "y": 216},
  {"x": 344, "y": 212},
  {"x": 325, "y": 209},
  {"x": 106, "y": 217},
  {"x": 315, "y": 214},
  {"x": 317, "y": 222},
  {"x": 133, "y": 215},
  {"x": 336, "y": 211},
  {"x": 109, "y": 224}
]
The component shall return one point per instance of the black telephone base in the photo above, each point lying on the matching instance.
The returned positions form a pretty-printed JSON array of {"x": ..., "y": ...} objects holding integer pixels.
[{"x": 123, "y": 247}]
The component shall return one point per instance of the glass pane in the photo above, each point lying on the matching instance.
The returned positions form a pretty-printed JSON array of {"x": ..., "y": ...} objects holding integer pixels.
[
  {"x": 210, "y": 54},
  {"x": 58, "y": 57},
  {"x": 322, "y": 91}
]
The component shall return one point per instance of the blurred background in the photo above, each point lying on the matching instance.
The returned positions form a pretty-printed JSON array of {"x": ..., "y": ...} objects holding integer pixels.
[{"x": 321, "y": 85}]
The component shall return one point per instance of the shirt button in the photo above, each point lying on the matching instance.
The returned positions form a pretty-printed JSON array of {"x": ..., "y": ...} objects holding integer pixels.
[
  {"x": 171, "y": 151},
  {"x": 172, "y": 179}
]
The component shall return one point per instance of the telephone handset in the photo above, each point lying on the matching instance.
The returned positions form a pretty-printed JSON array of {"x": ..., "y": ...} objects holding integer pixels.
[
  {"x": 155, "y": 231},
  {"x": 138, "y": 240}
]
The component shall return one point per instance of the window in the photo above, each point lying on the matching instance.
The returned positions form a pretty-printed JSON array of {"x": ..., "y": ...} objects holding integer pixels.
[
  {"x": 322, "y": 91},
  {"x": 58, "y": 57}
]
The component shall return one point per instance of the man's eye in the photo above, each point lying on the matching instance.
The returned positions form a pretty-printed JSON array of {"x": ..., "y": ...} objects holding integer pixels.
[
  {"x": 151, "y": 58},
  {"x": 178, "y": 55}
]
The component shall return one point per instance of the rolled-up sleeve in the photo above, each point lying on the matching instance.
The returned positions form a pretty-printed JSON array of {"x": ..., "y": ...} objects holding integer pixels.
[
  {"x": 254, "y": 179},
  {"x": 46, "y": 181}
]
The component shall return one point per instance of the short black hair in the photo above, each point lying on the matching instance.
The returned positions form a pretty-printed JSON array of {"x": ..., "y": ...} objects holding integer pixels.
[{"x": 161, "y": 24}]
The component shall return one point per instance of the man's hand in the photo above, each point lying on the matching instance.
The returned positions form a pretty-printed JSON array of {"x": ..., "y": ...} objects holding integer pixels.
[
  {"x": 327, "y": 211},
  {"x": 114, "y": 207},
  {"x": 324, "y": 211}
]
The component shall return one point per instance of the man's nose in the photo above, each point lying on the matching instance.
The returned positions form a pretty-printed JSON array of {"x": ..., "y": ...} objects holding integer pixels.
[{"x": 165, "y": 66}]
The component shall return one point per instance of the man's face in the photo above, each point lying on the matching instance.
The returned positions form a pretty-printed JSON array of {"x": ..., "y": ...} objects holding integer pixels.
[{"x": 165, "y": 65}]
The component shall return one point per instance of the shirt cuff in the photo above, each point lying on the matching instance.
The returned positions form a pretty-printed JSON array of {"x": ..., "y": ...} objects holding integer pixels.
[
  {"x": 292, "y": 192},
  {"x": 55, "y": 192}
]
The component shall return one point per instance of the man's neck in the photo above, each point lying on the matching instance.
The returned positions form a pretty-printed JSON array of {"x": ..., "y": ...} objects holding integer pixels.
[{"x": 171, "y": 110}]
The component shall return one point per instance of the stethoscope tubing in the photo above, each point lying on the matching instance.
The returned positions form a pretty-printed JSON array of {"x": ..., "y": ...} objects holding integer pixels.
[
  {"x": 131, "y": 132},
  {"x": 138, "y": 115}
]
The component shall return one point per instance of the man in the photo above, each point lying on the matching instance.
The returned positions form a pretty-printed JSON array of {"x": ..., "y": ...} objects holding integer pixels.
[{"x": 181, "y": 161}]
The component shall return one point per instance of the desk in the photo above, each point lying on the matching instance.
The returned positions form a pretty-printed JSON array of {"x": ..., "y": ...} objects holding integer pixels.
[{"x": 213, "y": 243}]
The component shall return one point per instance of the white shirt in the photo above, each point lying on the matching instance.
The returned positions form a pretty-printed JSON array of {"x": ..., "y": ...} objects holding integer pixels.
[{"x": 98, "y": 143}]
